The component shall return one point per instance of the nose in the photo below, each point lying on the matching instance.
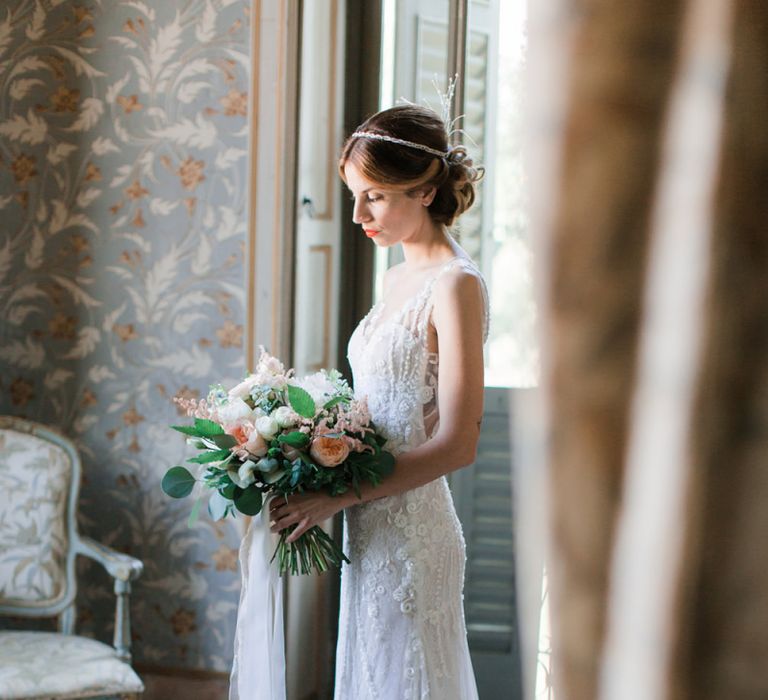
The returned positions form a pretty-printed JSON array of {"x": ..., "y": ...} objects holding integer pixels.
[{"x": 360, "y": 212}]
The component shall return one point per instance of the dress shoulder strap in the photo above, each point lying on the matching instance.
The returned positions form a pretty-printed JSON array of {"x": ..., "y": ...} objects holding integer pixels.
[{"x": 468, "y": 266}]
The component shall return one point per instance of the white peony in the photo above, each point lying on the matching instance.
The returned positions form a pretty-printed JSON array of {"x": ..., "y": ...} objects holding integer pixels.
[
  {"x": 233, "y": 411},
  {"x": 243, "y": 389},
  {"x": 267, "y": 427},
  {"x": 318, "y": 386}
]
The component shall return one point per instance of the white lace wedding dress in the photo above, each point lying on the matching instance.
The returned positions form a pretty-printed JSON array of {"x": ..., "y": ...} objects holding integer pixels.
[{"x": 402, "y": 634}]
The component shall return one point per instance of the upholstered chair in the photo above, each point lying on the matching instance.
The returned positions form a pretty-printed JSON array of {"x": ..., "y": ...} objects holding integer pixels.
[{"x": 39, "y": 483}]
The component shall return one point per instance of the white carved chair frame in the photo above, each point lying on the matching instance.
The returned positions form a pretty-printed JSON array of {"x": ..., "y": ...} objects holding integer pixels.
[{"x": 123, "y": 568}]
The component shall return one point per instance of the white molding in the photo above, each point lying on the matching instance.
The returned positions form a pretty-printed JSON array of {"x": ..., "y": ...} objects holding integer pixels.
[{"x": 271, "y": 207}]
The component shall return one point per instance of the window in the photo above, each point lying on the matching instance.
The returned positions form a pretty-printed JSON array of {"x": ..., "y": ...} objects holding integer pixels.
[{"x": 495, "y": 231}]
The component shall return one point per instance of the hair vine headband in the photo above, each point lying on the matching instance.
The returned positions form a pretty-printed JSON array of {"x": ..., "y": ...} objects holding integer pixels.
[
  {"x": 402, "y": 142},
  {"x": 446, "y": 104}
]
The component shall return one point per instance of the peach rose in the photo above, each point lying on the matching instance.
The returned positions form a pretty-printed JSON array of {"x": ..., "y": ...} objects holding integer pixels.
[
  {"x": 249, "y": 442},
  {"x": 329, "y": 451},
  {"x": 256, "y": 445}
]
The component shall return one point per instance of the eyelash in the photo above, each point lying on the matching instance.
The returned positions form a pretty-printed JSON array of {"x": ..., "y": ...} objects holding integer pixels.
[{"x": 368, "y": 199}]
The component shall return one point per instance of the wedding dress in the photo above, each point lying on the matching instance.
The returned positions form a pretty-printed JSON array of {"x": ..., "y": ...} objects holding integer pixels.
[{"x": 402, "y": 634}]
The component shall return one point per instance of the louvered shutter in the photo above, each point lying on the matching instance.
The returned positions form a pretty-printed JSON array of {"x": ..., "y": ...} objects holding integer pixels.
[{"x": 482, "y": 492}]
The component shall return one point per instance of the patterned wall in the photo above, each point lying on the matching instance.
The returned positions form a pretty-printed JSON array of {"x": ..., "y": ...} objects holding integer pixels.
[{"x": 123, "y": 147}]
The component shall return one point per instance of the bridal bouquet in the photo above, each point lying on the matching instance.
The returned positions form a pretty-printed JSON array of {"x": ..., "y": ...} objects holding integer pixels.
[{"x": 276, "y": 435}]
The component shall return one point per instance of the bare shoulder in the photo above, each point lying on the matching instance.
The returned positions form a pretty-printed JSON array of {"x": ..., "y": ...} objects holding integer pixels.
[
  {"x": 458, "y": 291},
  {"x": 462, "y": 283}
]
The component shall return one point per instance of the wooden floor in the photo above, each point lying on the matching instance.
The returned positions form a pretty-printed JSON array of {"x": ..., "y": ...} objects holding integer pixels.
[{"x": 163, "y": 687}]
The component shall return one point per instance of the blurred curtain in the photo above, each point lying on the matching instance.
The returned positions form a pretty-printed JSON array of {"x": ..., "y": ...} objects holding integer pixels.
[{"x": 654, "y": 252}]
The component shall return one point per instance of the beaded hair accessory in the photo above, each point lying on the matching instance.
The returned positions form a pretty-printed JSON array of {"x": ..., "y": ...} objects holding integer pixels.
[{"x": 400, "y": 142}]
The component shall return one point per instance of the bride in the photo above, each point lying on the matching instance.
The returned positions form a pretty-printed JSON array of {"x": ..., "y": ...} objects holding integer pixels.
[{"x": 418, "y": 358}]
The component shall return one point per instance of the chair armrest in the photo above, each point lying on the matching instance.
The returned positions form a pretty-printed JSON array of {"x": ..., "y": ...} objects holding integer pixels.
[
  {"x": 121, "y": 567},
  {"x": 124, "y": 569}
]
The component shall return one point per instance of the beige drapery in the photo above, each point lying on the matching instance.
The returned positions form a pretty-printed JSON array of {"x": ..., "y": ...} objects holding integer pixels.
[{"x": 653, "y": 237}]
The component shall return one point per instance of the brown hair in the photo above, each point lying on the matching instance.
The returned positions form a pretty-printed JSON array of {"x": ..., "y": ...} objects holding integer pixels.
[{"x": 453, "y": 175}]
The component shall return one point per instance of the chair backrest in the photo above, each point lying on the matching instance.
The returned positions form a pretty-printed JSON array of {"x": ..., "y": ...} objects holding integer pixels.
[{"x": 39, "y": 483}]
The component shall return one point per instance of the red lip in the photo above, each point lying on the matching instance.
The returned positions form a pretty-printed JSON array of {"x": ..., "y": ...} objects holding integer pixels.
[{"x": 370, "y": 232}]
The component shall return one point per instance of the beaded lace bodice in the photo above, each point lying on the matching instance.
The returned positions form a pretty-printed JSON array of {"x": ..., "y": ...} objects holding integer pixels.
[
  {"x": 395, "y": 367},
  {"x": 402, "y": 632}
]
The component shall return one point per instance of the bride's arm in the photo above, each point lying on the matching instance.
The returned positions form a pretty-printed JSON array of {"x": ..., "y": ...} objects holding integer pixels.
[{"x": 458, "y": 315}]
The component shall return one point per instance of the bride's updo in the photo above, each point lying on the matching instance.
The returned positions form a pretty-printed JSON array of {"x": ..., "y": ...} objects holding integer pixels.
[{"x": 449, "y": 169}]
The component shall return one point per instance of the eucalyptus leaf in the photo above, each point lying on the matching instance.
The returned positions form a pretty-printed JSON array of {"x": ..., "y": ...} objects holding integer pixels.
[
  {"x": 249, "y": 501},
  {"x": 228, "y": 490},
  {"x": 301, "y": 401},
  {"x": 178, "y": 482}
]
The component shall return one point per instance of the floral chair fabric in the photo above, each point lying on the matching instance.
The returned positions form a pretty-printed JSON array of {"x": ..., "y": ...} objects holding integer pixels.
[
  {"x": 39, "y": 481},
  {"x": 34, "y": 484},
  {"x": 74, "y": 667}
]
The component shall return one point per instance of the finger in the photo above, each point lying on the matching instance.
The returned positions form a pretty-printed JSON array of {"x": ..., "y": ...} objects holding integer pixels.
[
  {"x": 286, "y": 521},
  {"x": 281, "y": 509},
  {"x": 277, "y": 503},
  {"x": 299, "y": 531}
]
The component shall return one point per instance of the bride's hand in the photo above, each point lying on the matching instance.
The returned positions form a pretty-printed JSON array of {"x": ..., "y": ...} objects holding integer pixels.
[{"x": 306, "y": 509}]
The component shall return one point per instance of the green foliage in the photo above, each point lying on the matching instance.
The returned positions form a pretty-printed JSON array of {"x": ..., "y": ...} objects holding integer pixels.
[
  {"x": 314, "y": 549},
  {"x": 202, "y": 429},
  {"x": 178, "y": 482},
  {"x": 278, "y": 476},
  {"x": 223, "y": 441},
  {"x": 335, "y": 401},
  {"x": 193, "y": 516},
  {"x": 249, "y": 501},
  {"x": 211, "y": 456},
  {"x": 187, "y": 430},
  {"x": 301, "y": 401},
  {"x": 295, "y": 439},
  {"x": 207, "y": 428},
  {"x": 228, "y": 488}
]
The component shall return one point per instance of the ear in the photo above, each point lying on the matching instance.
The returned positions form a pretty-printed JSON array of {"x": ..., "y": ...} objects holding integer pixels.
[{"x": 428, "y": 196}]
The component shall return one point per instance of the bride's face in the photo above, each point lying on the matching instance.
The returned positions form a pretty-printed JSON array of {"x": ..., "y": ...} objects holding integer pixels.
[{"x": 387, "y": 215}]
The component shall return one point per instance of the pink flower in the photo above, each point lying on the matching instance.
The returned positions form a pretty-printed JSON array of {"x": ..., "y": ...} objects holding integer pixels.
[
  {"x": 329, "y": 451},
  {"x": 249, "y": 442}
]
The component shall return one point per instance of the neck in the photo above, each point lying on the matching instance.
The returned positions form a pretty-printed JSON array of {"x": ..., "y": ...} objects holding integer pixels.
[{"x": 433, "y": 247}]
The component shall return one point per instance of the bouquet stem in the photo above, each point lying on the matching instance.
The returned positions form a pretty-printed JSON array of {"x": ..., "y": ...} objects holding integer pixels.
[{"x": 314, "y": 549}]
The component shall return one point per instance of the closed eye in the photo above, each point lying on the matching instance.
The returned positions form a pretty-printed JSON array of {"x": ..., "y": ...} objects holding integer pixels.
[{"x": 369, "y": 198}]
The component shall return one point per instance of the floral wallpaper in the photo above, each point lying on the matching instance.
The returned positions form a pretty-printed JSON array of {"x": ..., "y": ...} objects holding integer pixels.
[{"x": 123, "y": 143}]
